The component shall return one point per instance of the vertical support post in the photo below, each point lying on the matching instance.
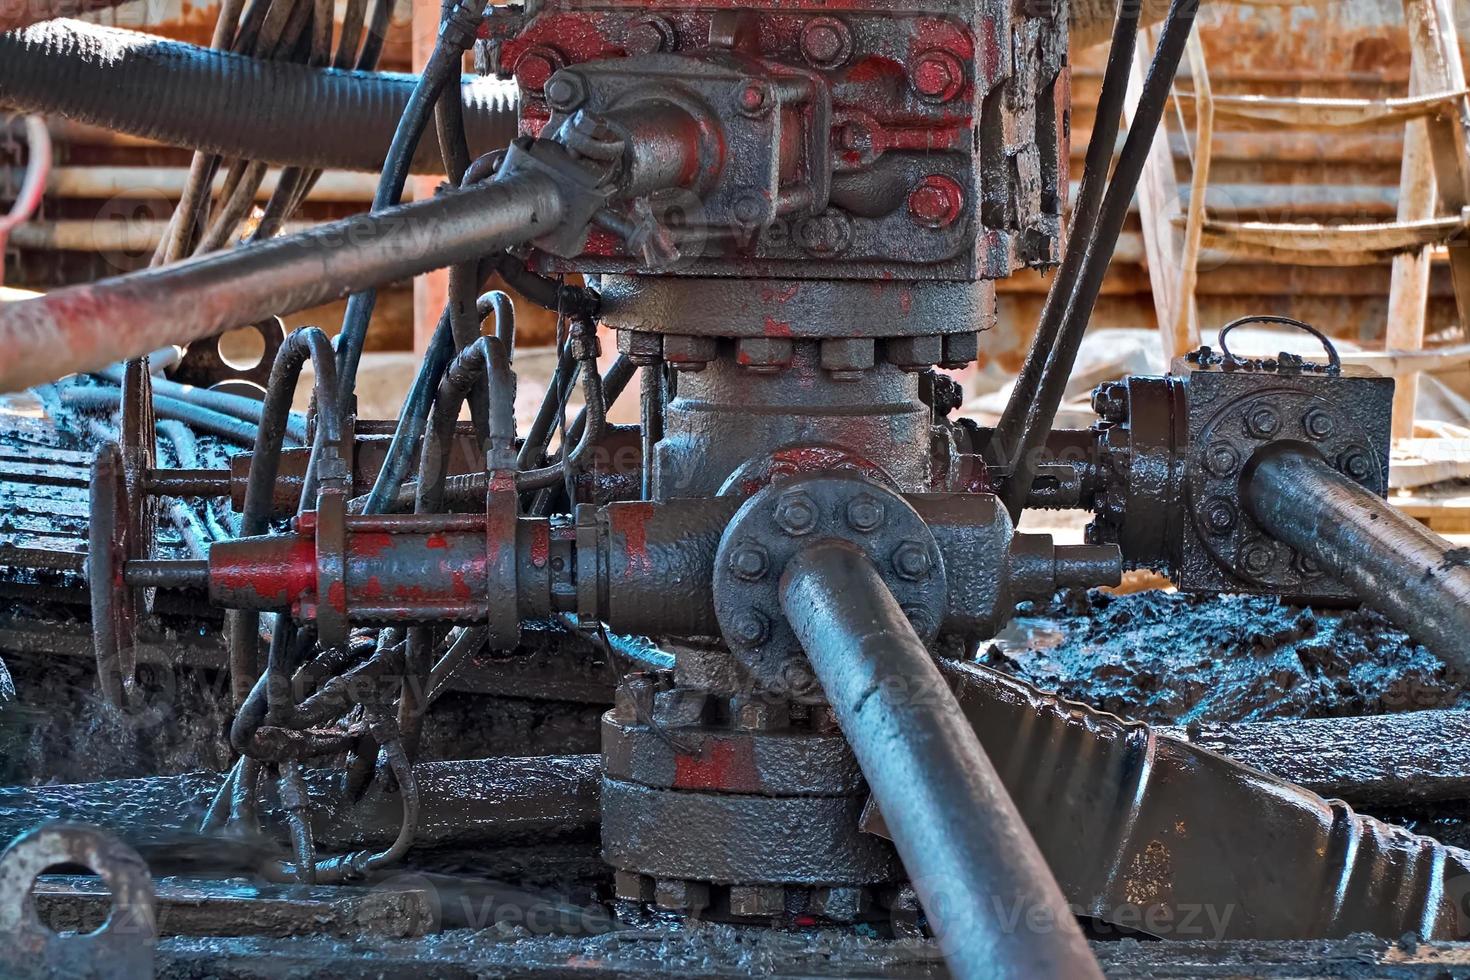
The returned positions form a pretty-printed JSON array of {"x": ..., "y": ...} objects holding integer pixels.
[
  {"x": 1434, "y": 39},
  {"x": 431, "y": 290},
  {"x": 1183, "y": 334},
  {"x": 1408, "y": 295},
  {"x": 1158, "y": 207}
]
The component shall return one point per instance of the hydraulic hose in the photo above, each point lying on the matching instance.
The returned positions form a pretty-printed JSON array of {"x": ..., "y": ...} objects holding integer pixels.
[
  {"x": 84, "y": 328},
  {"x": 230, "y": 104},
  {"x": 1008, "y": 430},
  {"x": 1042, "y": 403},
  {"x": 988, "y": 893},
  {"x": 1395, "y": 564},
  {"x": 456, "y": 35}
]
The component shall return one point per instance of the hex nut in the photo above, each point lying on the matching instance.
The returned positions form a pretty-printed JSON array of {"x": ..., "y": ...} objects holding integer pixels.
[
  {"x": 1318, "y": 424},
  {"x": 1263, "y": 422},
  {"x": 757, "y": 900},
  {"x": 796, "y": 513},
  {"x": 752, "y": 628},
  {"x": 1355, "y": 464},
  {"x": 865, "y": 513},
  {"x": 750, "y": 561},
  {"x": 911, "y": 561},
  {"x": 678, "y": 895},
  {"x": 1220, "y": 516}
]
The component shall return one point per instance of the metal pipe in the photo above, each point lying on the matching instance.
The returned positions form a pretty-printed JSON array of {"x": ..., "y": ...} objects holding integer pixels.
[
  {"x": 1395, "y": 564},
  {"x": 187, "y": 573},
  {"x": 189, "y": 483},
  {"x": 982, "y": 880},
  {"x": 203, "y": 419},
  {"x": 229, "y": 103},
  {"x": 84, "y": 328}
]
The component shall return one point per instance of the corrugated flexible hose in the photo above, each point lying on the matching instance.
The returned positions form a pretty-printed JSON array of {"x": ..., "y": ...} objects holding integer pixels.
[{"x": 273, "y": 111}]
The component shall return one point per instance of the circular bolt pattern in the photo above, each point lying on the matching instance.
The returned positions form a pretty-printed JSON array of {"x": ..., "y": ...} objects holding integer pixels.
[
  {"x": 750, "y": 562},
  {"x": 1355, "y": 464},
  {"x": 864, "y": 513},
  {"x": 796, "y": 513},
  {"x": 1263, "y": 422},
  {"x": 826, "y": 42},
  {"x": 937, "y": 202},
  {"x": 1318, "y": 424},
  {"x": 1220, "y": 516},
  {"x": 1222, "y": 460},
  {"x": 911, "y": 561},
  {"x": 937, "y": 76}
]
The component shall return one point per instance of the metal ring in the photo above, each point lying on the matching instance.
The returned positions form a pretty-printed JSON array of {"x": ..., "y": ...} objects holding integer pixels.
[
  {"x": 122, "y": 948},
  {"x": 1334, "y": 361}
]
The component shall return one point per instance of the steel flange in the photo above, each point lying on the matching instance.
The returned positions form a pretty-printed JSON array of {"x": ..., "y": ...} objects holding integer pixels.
[{"x": 777, "y": 522}]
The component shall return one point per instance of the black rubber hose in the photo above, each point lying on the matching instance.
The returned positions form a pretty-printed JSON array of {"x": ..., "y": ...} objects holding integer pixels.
[
  {"x": 1001, "y": 451},
  {"x": 1041, "y": 408},
  {"x": 456, "y": 35},
  {"x": 230, "y": 104}
]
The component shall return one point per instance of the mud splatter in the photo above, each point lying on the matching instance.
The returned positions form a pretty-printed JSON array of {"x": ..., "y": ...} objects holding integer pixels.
[{"x": 1174, "y": 659}]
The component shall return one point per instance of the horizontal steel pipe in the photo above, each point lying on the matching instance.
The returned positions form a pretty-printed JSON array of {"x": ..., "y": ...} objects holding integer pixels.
[
  {"x": 230, "y": 104},
  {"x": 84, "y": 328},
  {"x": 1395, "y": 564},
  {"x": 987, "y": 890}
]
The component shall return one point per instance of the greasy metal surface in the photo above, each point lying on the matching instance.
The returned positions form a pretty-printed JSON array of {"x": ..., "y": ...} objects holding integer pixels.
[
  {"x": 207, "y": 907},
  {"x": 954, "y": 824},
  {"x": 469, "y": 802},
  {"x": 1392, "y": 562},
  {"x": 1387, "y": 759},
  {"x": 1120, "y": 816},
  {"x": 122, "y": 949},
  {"x": 776, "y": 524},
  {"x": 735, "y": 838}
]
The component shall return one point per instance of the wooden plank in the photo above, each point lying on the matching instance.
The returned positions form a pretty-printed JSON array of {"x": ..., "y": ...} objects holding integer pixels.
[
  {"x": 1434, "y": 41},
  {"x": 1158, "y": 205},
  {"x": 1331, "y": 114},
  {"x": 1408, "y": 293},
  {"x": 1185, "y": 326}
]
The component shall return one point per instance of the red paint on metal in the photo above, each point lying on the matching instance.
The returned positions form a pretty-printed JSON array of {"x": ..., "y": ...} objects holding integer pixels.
[
  {"x": 777, "y": 328},
  {"x": 337, "y": 596},
  {"x": 277, "y": 575},
  {"x": 436, "y": 541},
  {"x": 720, "y": 765},
  {"x": 630, "y": 522},
  {"x": 370, "y": 544}
]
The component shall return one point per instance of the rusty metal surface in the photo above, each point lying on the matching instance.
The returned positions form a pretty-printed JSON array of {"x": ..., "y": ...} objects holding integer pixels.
[{"x": 122, "y": 949}]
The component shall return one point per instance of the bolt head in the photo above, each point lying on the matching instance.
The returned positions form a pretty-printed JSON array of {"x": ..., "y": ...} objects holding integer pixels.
[
  {"x": 752, "y": 628},
  {"x": 1263, "y": 422},
  {"x": 1220, "y": 517},
  {"x": 826, "y": 42},
  {"x": 1222, "y": 460},
  {"x": 535, "y": 68},
  {"x": 1258, "y": 557},
  {"x": 911, "y": 561},
  {"x": 1355, "y": 464},
  {"x": 755, "y": 97},
  {"x": 650, "y": 36},
  {"x": 937, "y": 202},
  {"x": 864, "y": 513},
  {"x": 937, "y": 76},
  {"x": 750, "y": 562},
  {"x": 1318, "y": 424},
  {"x": 565, "y": 91},
  {"x": 796, "y": 513}
]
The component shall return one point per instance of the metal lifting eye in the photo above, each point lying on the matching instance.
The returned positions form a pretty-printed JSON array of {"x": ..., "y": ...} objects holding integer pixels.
[{"x": 1334, "y": 360}]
